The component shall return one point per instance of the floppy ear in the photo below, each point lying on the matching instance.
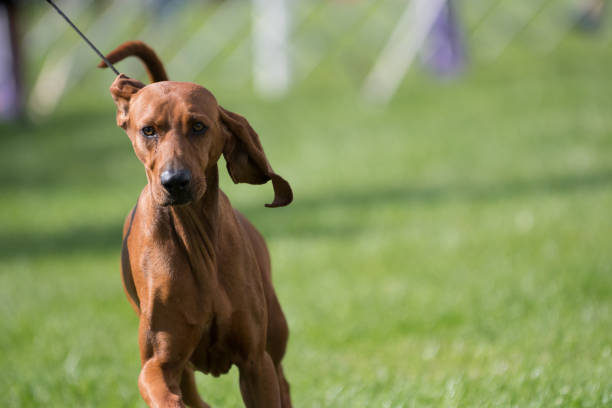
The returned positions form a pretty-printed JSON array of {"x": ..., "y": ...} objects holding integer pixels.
[
  {"x": 246, "y": 160},
  {"x": 122, "y": 90}
]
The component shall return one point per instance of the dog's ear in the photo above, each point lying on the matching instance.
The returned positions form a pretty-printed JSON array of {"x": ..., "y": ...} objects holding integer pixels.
[
  {"x": 122, "y": 90},
  {"x": 246, "y": 160}
]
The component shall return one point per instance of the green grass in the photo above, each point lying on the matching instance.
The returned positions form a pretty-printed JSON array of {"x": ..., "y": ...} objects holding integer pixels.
[{"x": 451, "y": 250}]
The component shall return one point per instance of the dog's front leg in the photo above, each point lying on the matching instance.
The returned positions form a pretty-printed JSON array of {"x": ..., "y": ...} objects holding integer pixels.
[
  {"x": 164, "y": 354},
  {"x": 258, "y": 382},
  {"x": 159, "y": 385}
]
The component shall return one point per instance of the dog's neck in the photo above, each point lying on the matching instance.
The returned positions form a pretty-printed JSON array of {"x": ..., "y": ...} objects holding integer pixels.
[{"x": 194, "y": 227}]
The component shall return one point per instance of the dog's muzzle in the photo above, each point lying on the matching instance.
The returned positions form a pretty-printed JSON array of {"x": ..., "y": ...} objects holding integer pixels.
[{"x": 177, "y": 184}]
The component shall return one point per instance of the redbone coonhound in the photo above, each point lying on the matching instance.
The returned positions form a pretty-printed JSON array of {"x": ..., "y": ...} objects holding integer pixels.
[{"x": 195, "y": 270}]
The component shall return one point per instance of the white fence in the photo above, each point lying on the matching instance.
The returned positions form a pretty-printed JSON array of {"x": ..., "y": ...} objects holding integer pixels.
[{"x": 282, "y": 41}]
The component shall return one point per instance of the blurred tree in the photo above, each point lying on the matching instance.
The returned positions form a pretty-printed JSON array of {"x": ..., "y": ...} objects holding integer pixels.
[{"x": 590, "y": 15}]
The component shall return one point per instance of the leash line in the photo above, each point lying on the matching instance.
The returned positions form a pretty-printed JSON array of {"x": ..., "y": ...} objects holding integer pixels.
[{"x": 61, "y": 13}]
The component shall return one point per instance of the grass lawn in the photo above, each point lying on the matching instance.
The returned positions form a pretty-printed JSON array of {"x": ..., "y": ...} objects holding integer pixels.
[{"x": 454, "y": 249}]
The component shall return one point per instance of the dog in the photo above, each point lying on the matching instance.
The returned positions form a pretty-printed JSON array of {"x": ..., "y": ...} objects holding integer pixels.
[{"x": 194, "y": 269}]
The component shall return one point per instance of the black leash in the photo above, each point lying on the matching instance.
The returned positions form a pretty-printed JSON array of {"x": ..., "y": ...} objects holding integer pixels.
[{"x": 107, "y": 62}]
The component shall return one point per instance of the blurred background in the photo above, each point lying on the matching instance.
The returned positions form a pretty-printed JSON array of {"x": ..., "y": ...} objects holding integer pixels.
[{"x": 450, "y": 240}]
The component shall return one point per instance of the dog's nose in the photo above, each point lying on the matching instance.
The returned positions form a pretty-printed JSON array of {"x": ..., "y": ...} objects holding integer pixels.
[{"x": 175, "y": 180}]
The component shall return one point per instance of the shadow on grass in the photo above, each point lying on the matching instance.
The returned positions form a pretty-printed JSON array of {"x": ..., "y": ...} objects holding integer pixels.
[
  {"x": 85, "y": 239},
  {"x": 303, "y": 219},
  {"x": 307, "y": 208},
  {"x": 568, "y": 183}
]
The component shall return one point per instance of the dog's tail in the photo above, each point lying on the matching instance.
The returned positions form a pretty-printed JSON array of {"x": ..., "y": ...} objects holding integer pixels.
[{"x": 155, "y": 68}]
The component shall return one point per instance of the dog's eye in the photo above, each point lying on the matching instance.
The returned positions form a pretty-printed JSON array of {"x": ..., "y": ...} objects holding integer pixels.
[
  {"x": 148, "y": 131},
  {"x": 198, "y": 127}
]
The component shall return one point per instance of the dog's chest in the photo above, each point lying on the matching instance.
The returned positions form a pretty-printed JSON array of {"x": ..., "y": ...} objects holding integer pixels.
[{"x": 212, "y": 355}]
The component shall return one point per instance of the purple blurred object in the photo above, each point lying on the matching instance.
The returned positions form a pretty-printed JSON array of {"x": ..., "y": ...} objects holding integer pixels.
[
  {"x": 11, "y": 103},
  {"x": 444, "y": 51}
]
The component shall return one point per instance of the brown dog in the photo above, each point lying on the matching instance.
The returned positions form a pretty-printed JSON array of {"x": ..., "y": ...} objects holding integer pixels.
[{"x": 194, "y": 269}]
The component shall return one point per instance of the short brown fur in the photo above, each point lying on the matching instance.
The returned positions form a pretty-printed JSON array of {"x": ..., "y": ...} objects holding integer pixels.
[{"x": 197, "y": 274}]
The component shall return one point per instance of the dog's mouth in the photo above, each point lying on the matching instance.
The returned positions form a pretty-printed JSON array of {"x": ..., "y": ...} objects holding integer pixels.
[
  {"x": 183, "y": 196},
  {"x": 178, "y": 198}
]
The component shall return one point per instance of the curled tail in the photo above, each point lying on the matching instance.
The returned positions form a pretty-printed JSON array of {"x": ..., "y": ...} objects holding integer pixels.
[{"x": 155, "y": 68}]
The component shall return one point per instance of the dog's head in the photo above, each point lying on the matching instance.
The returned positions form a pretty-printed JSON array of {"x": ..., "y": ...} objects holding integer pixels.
[{"x": 179, "y": 131}]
